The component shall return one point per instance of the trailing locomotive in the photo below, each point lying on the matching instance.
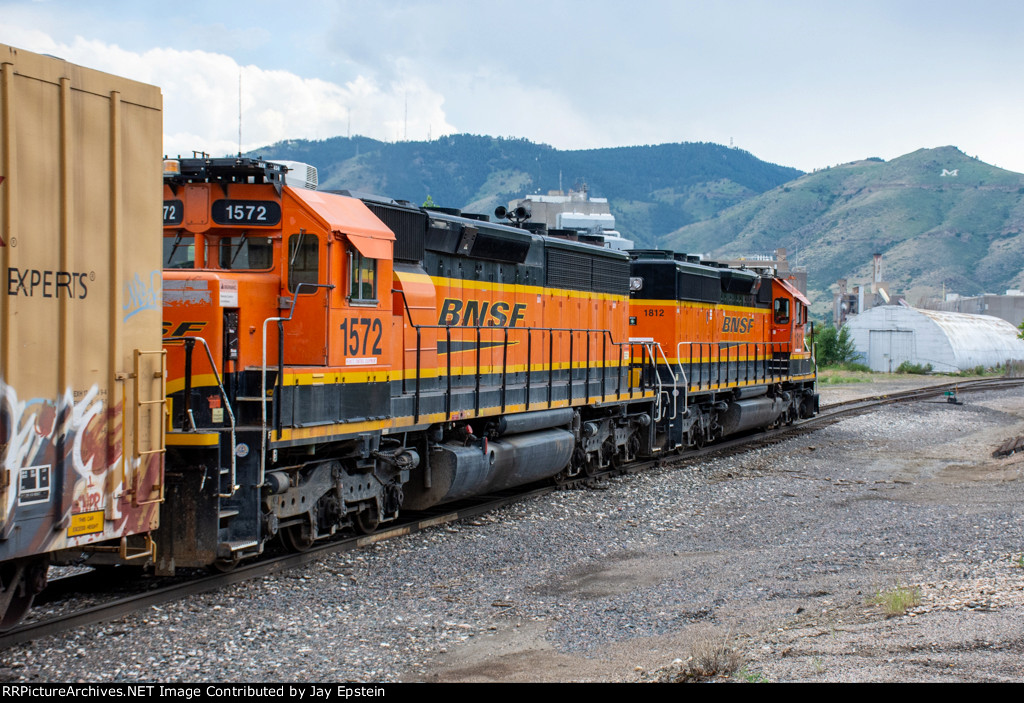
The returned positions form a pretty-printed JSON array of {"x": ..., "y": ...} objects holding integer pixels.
[{"x": 334, "y": 360}]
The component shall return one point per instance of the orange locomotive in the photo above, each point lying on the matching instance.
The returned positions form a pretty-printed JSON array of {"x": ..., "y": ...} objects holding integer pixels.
[
  {"x": 334, "y": 360},
  {"x": 732, "y": 349}
]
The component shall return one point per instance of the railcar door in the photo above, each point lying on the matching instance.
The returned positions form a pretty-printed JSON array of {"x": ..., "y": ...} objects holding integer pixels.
[{"x": 305, "y": 297}]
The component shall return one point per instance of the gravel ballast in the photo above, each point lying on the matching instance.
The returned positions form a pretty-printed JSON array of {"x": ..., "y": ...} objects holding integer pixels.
[{"x": 777, "y": 554}]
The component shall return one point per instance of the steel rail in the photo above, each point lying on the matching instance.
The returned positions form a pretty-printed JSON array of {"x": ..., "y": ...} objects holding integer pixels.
[{"x": 465, "y": 509}]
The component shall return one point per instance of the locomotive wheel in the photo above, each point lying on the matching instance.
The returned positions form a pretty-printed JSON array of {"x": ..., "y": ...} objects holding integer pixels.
[
  {"x": 226, "y": 565},
  {"x": 298, "y": 538},
  {"x": 367, "y": 521},
  {"x": 20, "y": 581}
]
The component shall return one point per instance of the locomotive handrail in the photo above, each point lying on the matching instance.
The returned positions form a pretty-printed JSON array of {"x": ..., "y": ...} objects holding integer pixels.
[
  {"x": 189, "y": 346},
  {"x": 772, "y": 369},
  {"x": 651, "y": 345},
  {"x": 605, "y": 334},
  {"x": 280, "y": 373}
]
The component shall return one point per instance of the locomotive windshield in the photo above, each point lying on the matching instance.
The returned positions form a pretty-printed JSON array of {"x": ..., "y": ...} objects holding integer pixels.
[
  {"x": 246, "y": 253},
  {"x": 180, "y": 251}
]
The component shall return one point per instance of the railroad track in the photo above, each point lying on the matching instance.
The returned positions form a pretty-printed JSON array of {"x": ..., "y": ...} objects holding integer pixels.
[{"x": 174, "y": 589}]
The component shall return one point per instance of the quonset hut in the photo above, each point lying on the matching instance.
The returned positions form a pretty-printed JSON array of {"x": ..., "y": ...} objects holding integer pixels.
[{"x": 889, "y": 335}]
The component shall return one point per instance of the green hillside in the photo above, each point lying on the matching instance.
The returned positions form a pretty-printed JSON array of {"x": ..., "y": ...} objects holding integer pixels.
[
  {"x": 652, "y": 190},
  {"x": 962, "y": 231}
]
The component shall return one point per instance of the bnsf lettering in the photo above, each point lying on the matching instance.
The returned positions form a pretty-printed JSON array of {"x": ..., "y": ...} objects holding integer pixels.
[
  {"x": 738, "y": 325},
  {"x": 184, "y": 329},
  {"x": 48, "y": 284},
  {"x": 480, "y": 313}
]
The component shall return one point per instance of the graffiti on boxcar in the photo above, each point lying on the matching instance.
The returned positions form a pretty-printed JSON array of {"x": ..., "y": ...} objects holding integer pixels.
[
  {"x": 55, "y": 449},
  {"x": 140, "y": 295}
]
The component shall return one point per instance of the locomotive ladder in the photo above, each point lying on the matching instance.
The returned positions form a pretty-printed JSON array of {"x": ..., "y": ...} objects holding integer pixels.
[{"x": 654, "y": 350}]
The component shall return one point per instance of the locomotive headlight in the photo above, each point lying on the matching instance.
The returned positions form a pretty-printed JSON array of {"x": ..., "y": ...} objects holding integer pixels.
[{"x": 635, "y": 283}]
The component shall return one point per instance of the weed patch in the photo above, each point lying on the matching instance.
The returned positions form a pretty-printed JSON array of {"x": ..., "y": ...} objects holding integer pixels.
[
  {"x": 907, "y": 367},
  {"x": 709, "y": 657},
  {"x": 897, "y": 600},
  {"x": 749, "y": 676}
]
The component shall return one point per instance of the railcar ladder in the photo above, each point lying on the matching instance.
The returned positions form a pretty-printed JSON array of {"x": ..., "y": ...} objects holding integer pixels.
[{"x": 158, "y": 443}]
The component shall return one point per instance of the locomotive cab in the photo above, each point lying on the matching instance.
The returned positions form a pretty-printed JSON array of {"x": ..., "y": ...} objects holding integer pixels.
[
  {"x": 279, "y": 355},
  {"x": 788, "y": 327}
]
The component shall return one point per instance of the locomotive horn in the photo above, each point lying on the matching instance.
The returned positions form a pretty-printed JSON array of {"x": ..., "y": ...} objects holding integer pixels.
[
  {"x": 500, "y": 212},
  {"x": 522, "y": 213}
]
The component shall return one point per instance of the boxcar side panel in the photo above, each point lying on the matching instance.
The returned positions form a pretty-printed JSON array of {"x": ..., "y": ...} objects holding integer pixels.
[{"x": 80, "y": 237}]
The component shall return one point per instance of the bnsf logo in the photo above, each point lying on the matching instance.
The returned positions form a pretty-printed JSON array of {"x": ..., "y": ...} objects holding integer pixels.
[
  {"x": 739, "y": 325},
  {"x": 480, "y": 313},
  {"x": 184, "y": 329}
]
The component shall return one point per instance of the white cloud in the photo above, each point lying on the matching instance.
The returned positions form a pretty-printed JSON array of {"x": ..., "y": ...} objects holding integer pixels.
[{"x": 201, "y": 97}]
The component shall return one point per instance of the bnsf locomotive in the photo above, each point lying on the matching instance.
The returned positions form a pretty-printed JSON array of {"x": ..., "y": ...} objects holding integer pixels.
[
  {"x": 328, "y": 360},
  {"x": 335, "y": 360}
]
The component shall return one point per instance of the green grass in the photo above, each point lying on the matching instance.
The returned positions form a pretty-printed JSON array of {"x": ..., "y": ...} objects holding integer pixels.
[
  {"x": 897, "y": 600},
  {"x": 907, "y": 367},
  {"x": 977, "y": 371},
  {"x": 828, "y": 380},
  {"x": 748, "y": 676},
  {"x": 845, "y": 373}
]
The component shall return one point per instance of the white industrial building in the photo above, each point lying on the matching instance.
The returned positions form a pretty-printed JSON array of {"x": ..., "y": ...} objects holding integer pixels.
[{"x": 888, "y": 335}]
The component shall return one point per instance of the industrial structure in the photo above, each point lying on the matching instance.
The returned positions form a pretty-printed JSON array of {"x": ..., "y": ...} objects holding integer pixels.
[
  {"x": 574, "y": 215},
  {"x": 862, "y": 298},
  {"x": 776, "y": 262},
  {"x": 1009, "y": 307},
  {"x": 887, "y": 336}
]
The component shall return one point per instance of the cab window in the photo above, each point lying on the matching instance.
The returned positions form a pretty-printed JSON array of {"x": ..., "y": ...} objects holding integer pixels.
[
  {"x": 781, "y": 311},
  {"x": 303, "y": 261},
  {"x": 362, "y": 278},
  {"x": 246, "y": 253},
  {"x": 180, "y": 251}
]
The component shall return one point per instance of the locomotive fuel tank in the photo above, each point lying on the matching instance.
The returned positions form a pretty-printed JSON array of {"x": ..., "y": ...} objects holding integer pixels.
[
  {"x": 743, "y": 415},
  {"x": 460, "y": 471}
]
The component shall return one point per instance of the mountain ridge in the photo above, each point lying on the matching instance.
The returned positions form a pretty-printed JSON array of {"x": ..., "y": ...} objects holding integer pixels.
[
  {"x": 942, "y": 221},
  {"x": 652, "y": 189}
]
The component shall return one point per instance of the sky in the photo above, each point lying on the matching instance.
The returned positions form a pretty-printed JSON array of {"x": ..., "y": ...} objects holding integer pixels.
[{"x": 807, "y": 84}]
